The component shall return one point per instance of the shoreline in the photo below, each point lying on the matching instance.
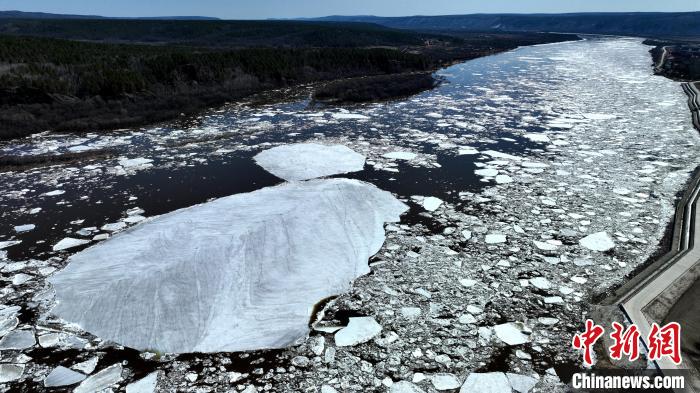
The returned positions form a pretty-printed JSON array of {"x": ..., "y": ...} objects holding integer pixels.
[
  {"x": 63, "y": 113},
  {"x": 693, "y": 91}
]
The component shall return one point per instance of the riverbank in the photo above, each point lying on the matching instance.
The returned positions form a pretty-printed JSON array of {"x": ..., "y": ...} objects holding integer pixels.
[
  {"x": 61, "y": 85},
  {"x": 692, "y": 89}
]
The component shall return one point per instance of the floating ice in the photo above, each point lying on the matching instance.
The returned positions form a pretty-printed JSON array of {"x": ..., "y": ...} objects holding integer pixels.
[
  {"x": 503, "y": 179},
  {"x": 487, "y": 172},
  {"x": 445, "y": 381},
  {"x": 537, "y": 138},
  {"x": 69, "y": 242},
  {"x": 305, "y": 161},
  {"x": 139, "y": 162},
  {"x": 146, "y": 384},
  {"x": 239, "y": 273},
  {"x": 358, "y": 331},
  {"x": 405, "y": 387},
  {"x": 431, "y": 203},
  {"x": 496, "y": 382},
  {"x": 495, "y": 238},
  {"x": 11, "y": 372},
  {"x": 467, "y": 150},
  {"x": 54, "y": 193},
  {"x": 18, "y": 339},
  {"x": 510, "y": 333},
  {"x": 100, "y": 381},
  {"x": 61, "y": 376},
  {"x": 24, "y": 228},
  {"x": 9, "y": 243},
  {"x": 349, "y": 116},
  {"x": 400, "y": 155},
  {"x": 597, "y": 242}
]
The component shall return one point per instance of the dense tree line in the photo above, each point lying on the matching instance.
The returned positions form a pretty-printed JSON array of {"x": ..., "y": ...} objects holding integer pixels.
[{"x": 83, "y": 69}]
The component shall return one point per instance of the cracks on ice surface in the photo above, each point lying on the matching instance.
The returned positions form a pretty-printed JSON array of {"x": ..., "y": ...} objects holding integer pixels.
[{"x": 238, "y": 273}]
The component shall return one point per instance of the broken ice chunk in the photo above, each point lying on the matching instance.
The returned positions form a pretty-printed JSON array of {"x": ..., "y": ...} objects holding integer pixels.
[
  {"x": 101, "y": 380},
  {"x": 9, "y": 243},
  {"x": 510, "y": 333},
  {"x": 24, "y": 228},
  {"x": 146, "y": 384},
  {"x": 69, "y": 242},
  {"x": 495, "y": 382},
  {"x": 600, "y": 241},
  {"x": 306, "y": 161},
  {"x": 358, "y": 331},
  {"x": 11, "y": 372},
  {"x": 431, "y": 203},
  {"x": 62, "y": 376},
  {"x": 400, "y": 155},
  {"x": 495, "y": 238}
]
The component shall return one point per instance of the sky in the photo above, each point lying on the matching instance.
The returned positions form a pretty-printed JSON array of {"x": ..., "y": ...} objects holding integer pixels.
[{"x": 263, "y": 9}]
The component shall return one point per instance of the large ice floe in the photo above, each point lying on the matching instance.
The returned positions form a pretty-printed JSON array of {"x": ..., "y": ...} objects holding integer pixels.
[
  {"x": 304, "y": 161},
  {"x": 239, "y": 273}
]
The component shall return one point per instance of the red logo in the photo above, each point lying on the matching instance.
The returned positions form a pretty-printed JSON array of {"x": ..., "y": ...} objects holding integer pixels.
[
  {"x": 586, "y": 340},
  {"x": 663, "y": 342},
  {"x": 626, "y": 342}
]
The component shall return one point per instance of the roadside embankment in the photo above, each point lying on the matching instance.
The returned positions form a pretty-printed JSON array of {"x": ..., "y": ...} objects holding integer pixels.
[{"x": 692, "y": 89}]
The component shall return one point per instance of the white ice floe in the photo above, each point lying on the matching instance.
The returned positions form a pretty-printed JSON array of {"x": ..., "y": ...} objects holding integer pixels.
[
  {"x": 24, "y": 228},
  {"x": 600, "y": 241},
  {"x": 503, "y": 179},
  {"x": 400, "y": 155},
  {"x": 305, "y": 161},
  {"x": 495, "y": 382},
  {"x": 467, "y": 150},
  {"x": 358, "y": 331},
  {"x": 544, "y": 246},
  {"x": 18, "y": 339},
  {"x": 498, "y": 382},
  {"x": 240, "y": 281},
  {"x": 487, "y": 172},
  {"x": 510, "y": 333},
  {"x": 445, "y": 381},
  {"x": 431, "y": 203},
  {"x": 135, "y": 163},
  {"x": 540, "y": 282},
  {"x": 537, "y": 138},
  {"x": 405, "y": 387},
  {"x": 349, "y": 116},
  {"x": 69, "y": 242},
  {"x": 101, "y": 380},
  {"x": 11, "y": 372},
  {"x": 495, "y": 238},
  {"x": 599, "y": 116},
  {"x": 62, "y": 376},
  {"x": 54, "y": 193},
  {"x": 9, "y": 243},
  {"x": 146, "y": 384}
]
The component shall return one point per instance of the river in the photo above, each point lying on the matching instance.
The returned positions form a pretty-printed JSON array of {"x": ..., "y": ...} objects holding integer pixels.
[{"x": 540, "y": 146}]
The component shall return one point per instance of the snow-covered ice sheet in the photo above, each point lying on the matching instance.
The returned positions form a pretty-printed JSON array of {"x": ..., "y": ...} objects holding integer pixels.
[
  {"x": 239, "y": 273},
  {"x": 304, "y": 161}
]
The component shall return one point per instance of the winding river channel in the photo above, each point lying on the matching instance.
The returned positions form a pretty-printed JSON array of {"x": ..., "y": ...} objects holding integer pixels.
[{"x": 528, "y": 152}]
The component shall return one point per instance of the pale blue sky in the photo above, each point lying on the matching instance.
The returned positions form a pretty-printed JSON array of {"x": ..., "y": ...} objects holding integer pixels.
[{"x": 261, "y": 9}]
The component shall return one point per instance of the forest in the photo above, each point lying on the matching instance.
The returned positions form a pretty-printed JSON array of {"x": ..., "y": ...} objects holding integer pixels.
[{"x": 80, "y": 75}]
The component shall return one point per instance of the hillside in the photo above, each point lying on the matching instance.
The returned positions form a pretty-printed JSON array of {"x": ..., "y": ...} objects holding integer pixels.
[
  {"x": 228, "y": 34},
  {"x": 652, "y": 24},
  {"x": 45, "y": 15}
]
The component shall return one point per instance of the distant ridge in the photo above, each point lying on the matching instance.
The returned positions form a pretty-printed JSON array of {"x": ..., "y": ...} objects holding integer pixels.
[
  {"x": 648, "y": 24},
  {"x": 44, "y": 15}
]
